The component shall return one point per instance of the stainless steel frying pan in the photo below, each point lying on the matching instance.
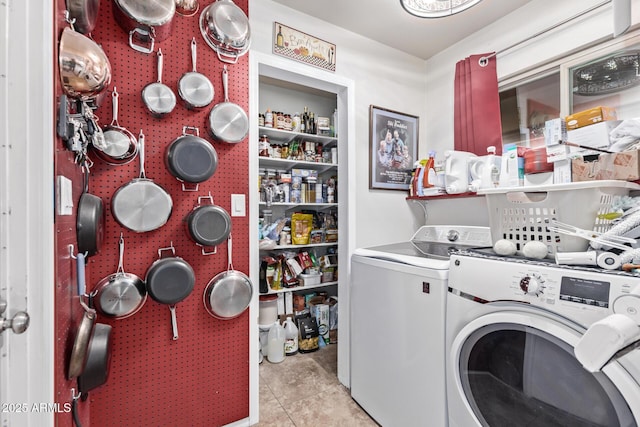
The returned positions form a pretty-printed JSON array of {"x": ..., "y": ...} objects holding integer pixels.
[
  {"x": 195, "y": 89},
  {"x": 228, "y": 122},
  {"x": 141, "y": 205},
  {"x": 158, "y": 97}
]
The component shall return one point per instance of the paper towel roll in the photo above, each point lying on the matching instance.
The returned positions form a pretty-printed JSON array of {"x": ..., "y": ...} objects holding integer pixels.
[
  {"x": 629, "y": 305},
  {"x": 605, "y": 338}
]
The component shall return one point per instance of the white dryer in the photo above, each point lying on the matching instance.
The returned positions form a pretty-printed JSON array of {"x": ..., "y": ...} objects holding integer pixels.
[
  {"x": 397, "y": 295},
  {"x": 511, "y": 328}
]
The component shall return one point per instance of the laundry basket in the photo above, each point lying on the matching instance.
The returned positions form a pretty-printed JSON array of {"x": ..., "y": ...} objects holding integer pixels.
[{"x": 523, "y": 214}]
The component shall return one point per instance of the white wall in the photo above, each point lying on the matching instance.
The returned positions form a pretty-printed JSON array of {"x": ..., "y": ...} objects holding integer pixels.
[{"x": 383, "y": 77}]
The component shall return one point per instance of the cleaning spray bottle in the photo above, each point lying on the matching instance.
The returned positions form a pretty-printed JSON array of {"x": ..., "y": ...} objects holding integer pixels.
[{"x": 429, "y": 178}]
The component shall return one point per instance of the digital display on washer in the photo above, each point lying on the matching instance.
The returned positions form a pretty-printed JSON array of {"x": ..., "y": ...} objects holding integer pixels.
[{"x": 585, "y": 291}]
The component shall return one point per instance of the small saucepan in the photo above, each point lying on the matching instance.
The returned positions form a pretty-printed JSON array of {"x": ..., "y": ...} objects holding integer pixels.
[
  {"x": 228, "y": 122},
  {"x": 191, "y": 159},
  {"x": 118, "y": 146},
  {"x": 208, "y": 225},
  {"x": 195, "y": 89},
  {"x": 141, "y": 205},
  {"x": 120, "y": 295},
  {"x": 157, "y": 96},
  {"x": 170, "y": 280},
  {"x": 229, "y": 293}
]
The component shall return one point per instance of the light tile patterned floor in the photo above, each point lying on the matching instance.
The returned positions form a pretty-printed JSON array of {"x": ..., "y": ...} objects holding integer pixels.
[{"x": 304, "y": 390}]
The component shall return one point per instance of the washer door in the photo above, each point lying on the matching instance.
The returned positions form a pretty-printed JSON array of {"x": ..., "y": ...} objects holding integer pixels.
[{"x": 518, "y": 368}]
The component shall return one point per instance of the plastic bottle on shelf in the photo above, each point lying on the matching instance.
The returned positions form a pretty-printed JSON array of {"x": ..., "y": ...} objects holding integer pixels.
[
  {"x": 268, "y": 119},
  {"x": 275, "y": 343},
  {"x": 429, "y": 178},
  {"x": 291, "y": 337}
]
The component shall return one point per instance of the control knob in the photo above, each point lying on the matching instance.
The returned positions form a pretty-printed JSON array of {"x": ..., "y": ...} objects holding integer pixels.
[{"x": 532, "y": 285}]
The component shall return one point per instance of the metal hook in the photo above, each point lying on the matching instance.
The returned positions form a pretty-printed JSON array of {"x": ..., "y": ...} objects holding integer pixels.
[{"x": 75, "y": 396}]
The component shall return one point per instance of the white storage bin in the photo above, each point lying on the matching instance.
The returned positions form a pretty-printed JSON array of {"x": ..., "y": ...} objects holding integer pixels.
[
  {"x": 523, "y": 214},
  {"x": 310, "y": 279}
]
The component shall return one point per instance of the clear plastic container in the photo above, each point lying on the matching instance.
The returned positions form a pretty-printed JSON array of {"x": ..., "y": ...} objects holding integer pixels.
[{"x": 275, "y": 343}]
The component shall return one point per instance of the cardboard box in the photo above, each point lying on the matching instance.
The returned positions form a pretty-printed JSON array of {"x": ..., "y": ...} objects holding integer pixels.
[
  {"x": 623, "y": 166},
  {"x": 590, "y": 116},
  {"x": 596, "y": 136}
]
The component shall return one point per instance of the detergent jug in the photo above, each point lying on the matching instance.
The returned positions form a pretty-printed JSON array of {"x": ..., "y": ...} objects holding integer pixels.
[
  {"x": 456, "y": 171},
  {"x": 485, "y": 170}
]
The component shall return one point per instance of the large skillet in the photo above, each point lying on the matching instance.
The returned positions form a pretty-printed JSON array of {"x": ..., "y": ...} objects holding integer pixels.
[
  {"x": 229, "y": 293},
  {"x": 170, "y": 280},
  {"x": 228, "y": 122},
  {"x": 141, "y": 205},
  {"x": 190, "y": 158},
  {"x": 121, "y": 294}
]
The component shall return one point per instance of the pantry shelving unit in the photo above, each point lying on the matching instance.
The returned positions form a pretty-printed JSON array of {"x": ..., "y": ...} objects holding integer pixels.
[{"x": 285, "y": 85}]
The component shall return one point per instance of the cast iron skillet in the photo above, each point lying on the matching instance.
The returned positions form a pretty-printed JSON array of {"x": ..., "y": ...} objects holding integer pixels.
[
  {"x": 170, "y": 280},
  {"x": 90, "y": 220}
]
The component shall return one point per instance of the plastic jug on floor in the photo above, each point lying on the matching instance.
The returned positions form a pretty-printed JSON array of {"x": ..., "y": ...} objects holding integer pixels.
[
  {"x": 291, "y": 337},
  {"x": 275, "y": 343}
]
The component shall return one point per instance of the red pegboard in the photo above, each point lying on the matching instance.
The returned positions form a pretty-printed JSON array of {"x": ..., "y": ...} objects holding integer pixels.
[{"x": 202, "y": 379}]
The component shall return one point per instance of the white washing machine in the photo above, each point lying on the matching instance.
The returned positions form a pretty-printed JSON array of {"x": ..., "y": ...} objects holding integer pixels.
[
  {"x": 397, "y": 295},
  {"x": 511, "y": 328}
]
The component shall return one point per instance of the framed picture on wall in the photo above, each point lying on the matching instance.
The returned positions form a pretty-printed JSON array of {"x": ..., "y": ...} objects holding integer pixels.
[
  {"x": 393, "y": 148},
  {"x": 303, "y": 47}
]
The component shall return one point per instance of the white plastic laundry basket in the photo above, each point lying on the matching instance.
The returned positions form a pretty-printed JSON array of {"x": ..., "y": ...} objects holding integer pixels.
[{"x": 523, "y": 214}]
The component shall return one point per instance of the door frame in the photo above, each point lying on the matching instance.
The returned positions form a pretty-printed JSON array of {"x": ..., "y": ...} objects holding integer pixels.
[{"x": 27, "y": 210}]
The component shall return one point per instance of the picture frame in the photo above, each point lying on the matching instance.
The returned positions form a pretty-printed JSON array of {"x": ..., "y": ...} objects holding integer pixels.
[
  {"x": 302, "y": 47},
  {"x": 393, "y": 148}
]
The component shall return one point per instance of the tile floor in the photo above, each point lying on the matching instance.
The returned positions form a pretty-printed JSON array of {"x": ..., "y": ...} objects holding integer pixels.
[{"x": 304, "y": 390}]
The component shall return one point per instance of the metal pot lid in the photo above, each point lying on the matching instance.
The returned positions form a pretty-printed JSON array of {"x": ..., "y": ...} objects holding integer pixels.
[
  {"x": 209, "y": 225},
  {"x": 148, "y": 12},
  {"x": 170, "y": 280},
  {"x": 141, "y": 205},
  {"x": 192, "y": 159},
  {"x": 224, "y": 22},
  {"x": 229, "y": 122},
  {"x": 123, "y": 295},
  {"x": 159, "y": 98},
  {"x": 228, "y": 294}
]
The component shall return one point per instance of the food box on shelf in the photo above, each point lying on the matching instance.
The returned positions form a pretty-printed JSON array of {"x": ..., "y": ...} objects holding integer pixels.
[
  {"x": 588, "y": 117},
  {"x": 624, "y": 166},
  {"x": 596, "y": 136}
]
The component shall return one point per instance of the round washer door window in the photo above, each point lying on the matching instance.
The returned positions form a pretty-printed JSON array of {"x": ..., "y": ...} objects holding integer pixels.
[{"x": 517, "y": 374}]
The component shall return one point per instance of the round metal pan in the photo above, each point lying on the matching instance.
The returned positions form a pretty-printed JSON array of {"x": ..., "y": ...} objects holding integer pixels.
[
  {"x": 195, "y": 89},
  {"x": 169, "y": 281},
  {"x": 229, "y": 293},
  {"x": 228, "y": 122},
  {"x": 118, "y": 146},
  {"x": 121, "y": 294},
  {"x": 141, "y": 205},
  {"x": 225, "y": 28},
  {"x": 190, "y": 158},
  {"x": 85, "y": 13},
  {"x": 90, "y": 220},
  {"x": 208, "y": 225},
  {"x": 158, "y": 97},
  {"x": 78, "y": 358},
  {"x": 147, "y": 21}
]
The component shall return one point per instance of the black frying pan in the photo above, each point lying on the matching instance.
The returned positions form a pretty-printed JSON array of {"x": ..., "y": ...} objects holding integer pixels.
[
  {"x": 190, "y": 158},
  {"x": 208, "y": 225},
  {"x": 170, "y": 280},
  {"x": 90, "y": 220},
  {"x": 96, "y": 370}
]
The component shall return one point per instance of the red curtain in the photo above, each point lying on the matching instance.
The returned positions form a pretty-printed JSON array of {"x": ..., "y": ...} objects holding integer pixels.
[{"x": 477, "y": 123}]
